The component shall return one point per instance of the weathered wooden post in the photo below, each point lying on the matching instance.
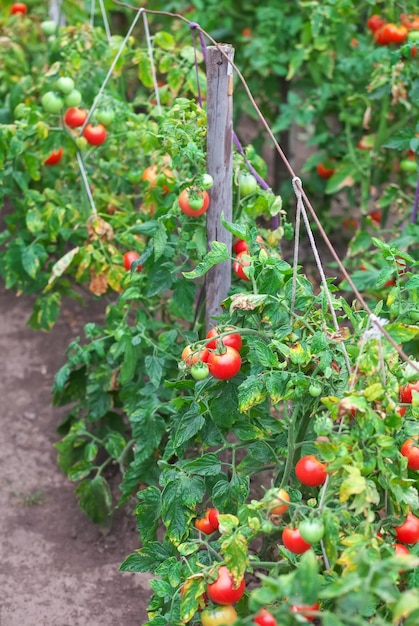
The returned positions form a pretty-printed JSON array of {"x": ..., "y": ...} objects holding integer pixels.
[
  {"x": 220, "y": 166},
  {"x": 56, "y": 12}
]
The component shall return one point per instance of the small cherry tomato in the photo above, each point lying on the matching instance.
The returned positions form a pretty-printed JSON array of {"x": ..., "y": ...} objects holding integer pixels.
[
  {"x": 310, "y": 471},
  {"x": 200, "y": 371},
  {"x": 279, "y": 505},
  {"x": 219, "y": 616},
  {"x": 191, "y": 356},
  {"x": 65, "y": 84},
  {"x": 325, "y": 171},
  {"x": 305, "y": 610},
  {"x": 242, "y": 260},
  {"x": 293, "y": 541},
  {"x": 193, "y": 202},
  {"x": 49, "y": 27},
  {"x": 75, "y": 117},
  {"x": 207, "y": 181},
  {"x": 410, "y": 449},
  {"x": 376, "y": 217},
  {"x": 223, "y": 590},
  {"x": 311, "y": 530},
  {"x": 265, "y": 618},
  {"x": 409, "y": 166},
  {"x": 204, "y": 525},
  {"x": 105, "y": 116},
  {"x": 51, "y": 103},
  {"x": 54, "y": 157},
  {"x": 225, "y": 365},
  {"x": 405, "y": 392},
  {"x": 400, "y": 549},
  {"x": 408, "y": 532},
  {"x": 18, "y": 7},
  {"x": 213, "y": 518},
  {"x": 95, "y": 135},
  {"x": 234, "y": 340},
  {"x": 129, "y": 257},
  {"x": 375, "y": 22},
  {"x": 314, "y": 390},
  {"x": 163, "y": 178},
  {"x": 73, "y": 99}
]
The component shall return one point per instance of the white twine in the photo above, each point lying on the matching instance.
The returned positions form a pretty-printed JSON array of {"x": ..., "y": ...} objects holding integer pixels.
[
  {"x": 297, "y": 185},
  {"x": 86, "y": 182},
  {"x": 105, "y": 21}
]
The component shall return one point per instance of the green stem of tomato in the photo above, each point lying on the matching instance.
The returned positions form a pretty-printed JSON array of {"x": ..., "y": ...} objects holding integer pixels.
[{"x": 291, "y": 449}]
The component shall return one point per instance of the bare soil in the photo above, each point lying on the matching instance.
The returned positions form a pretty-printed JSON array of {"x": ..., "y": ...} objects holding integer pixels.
[{"x": 56, "y": 568}]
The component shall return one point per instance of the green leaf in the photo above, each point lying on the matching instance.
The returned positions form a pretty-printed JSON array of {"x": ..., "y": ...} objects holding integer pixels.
[
  {"x": 95, "y": 500},
  {"x": 307, "y": 578},
  {"x": 62, "y": 264},
  {"x": 188, "y": 426},
  {"x": 114, "y": 444},
  {"x": 251, "y": 392},
  {"x": 148, "y": 513},
  {"x": 154, "y": 368},
  {"x": 401, "y": 333},
  {"x": 148, "y": 558},
  {"x": 217, "y": 254},
  {"x": 129, "y": 362},
  {"x": 235, "y": 551},
  {"x": 264, "y": 354},
  {"x": 205, "y": 465},
  {"x": 164, "y": 40},
  {"x": 32, "y": 258},
  {"x": 160, "y": 240},
  {"x": 80, "y": 470},
  {"x": 344, "y": 176},
  {"x": 227, "y": 496}
]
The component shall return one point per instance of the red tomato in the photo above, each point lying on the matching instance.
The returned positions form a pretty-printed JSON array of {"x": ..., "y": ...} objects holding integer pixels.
[
  {"x": 410, "y": 449},
  {"x": 95, "y": 135},
  {"x": 305, "y": 610},
  {"x": 212, "y": 515},
  {"x": 193, "y": 203},
  {"x": 204, "y": 525},
  {"x": 390, "y": 33},
  {"x": 226, "y": 365},
  {"x": 264, "y": 618},
  {"x": 405, "y": 392},
  {"x": 242, "y": 260},
  {"x": 408, "y": 532},
  {"x": 129, "y": 257},
  {"x": 223, "y": 590},
  {"x": 410, "y": 21},
  {"x": 324, "y": 171},
  {"x": 75, "y": 117},
  {"x": 18, "y": 7},
  {"x": 234, "y": 340},
  {"x": 54, "y": 157},
  {"x": 310, "y": 471},
  {"x": 375, "y": 22},
  {"x": 192, "y": 356},
  {"x": 279, "y": 505},
  {"x": 293, "y": 541},
  {"x": 152, "y": 175},
  {"x": 219, "y": 616},
  {"x": 376, "y": 217},
  {"x": 400, "y": 549},
  {"x": 240, "y": 246}
]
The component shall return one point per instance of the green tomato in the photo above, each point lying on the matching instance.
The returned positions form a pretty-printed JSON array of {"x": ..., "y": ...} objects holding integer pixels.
[
  {"x": 207, "y": 181},
  {"x": 413, "y": 35},
  {"x": 49, "y": 27},
  {"x": 199, "y": 371},
  {"x": 247, "y": 184},
  {"x": 73, "y": 99},
  {"x": 315, "y": 390},
  {"x": 51, "y": 103},
  {"x": 105, "y": 116},
  {"x": 409, "y": 166},
  {"x": 311, "y": 530},
  {"x": 65, "y": 84}
]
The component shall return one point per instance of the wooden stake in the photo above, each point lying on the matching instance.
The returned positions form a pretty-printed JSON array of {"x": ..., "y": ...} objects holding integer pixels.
[{"x": 220, "y": 166}]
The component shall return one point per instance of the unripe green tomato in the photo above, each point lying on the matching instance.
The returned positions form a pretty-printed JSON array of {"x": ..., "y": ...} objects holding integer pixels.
[
  {"x": 199, "y": 371},
  {"x": 51, "y": 103},
  {"x": 207, "y": 181},
  {"x": 413, "y": 35},
  {"x": 311, "y": 530},
  {"x": 315, "y": 390},
  {"x": 247, "y": 184},
  {"x": 49, "y": 27},
  {"x": 409, "y": 166},
  {"x": 65, "y": 84},
  {"x": 73, "y": 99},
  {"x": 81, "y": 143},
  {"x": 105, "y": 116},
  {"x": 267, "y": 527}
]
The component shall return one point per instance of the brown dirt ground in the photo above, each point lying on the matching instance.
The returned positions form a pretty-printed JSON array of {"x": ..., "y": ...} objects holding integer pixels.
[{"x": 56, "y": 568}]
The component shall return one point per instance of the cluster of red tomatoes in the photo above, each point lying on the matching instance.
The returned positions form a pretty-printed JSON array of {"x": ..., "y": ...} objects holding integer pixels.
[
  {"x": 242, "y": 259},
  {"x": 66, "y": 95},
  {"x": 220, "y": 356},
  {"x": 387, "y": 33},
  {"x": 410, "y": 448}
]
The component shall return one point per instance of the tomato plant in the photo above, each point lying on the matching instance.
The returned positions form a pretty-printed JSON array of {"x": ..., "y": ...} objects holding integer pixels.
[
  {"x": 310, "y": 471},
  {"x": 95, "y": 135},
  {"x": 224, "y": 590},
  {"x": 226, "y": 364}
]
